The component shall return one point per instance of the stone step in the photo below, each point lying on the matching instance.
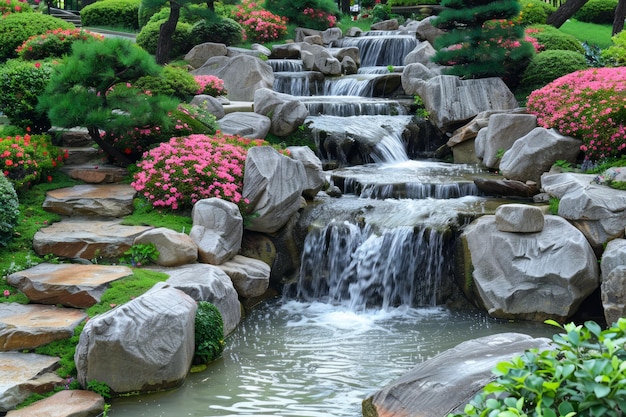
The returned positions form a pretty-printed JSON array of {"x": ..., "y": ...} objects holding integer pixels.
[
  {"x": 71, "y": 285},
  {"x": 86, "y": 238},
  {"x": 63, "y": 404},
  {"x": 81, "y": 155},
  {"x": 105, "y": 200},
  {"x": 25, "y": 327},
  {"x": 95, "y": 173}
]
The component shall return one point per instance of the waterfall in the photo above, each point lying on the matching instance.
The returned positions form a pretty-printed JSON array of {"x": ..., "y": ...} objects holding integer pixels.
[
  {"x": 303, "y": 83},
  {"x": 416, "y": 191},
  {"x": 381, "y": 49},
  {"x": 350, "y": 86},
  {"x": 344, "y": 106},
  {"x": 286, "y": 65}
]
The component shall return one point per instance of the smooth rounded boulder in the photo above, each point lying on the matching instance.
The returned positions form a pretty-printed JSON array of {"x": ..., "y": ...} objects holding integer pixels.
[
  {"x": 174, "y": 248},
  {"x": 217, "y": 230},
  {"x": 285, "y": 111}
]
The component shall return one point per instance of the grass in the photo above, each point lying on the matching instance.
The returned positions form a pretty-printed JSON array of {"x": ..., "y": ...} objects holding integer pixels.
[
  {"x": 145, "y": 215},
  {"x": 592, "y": 33}
]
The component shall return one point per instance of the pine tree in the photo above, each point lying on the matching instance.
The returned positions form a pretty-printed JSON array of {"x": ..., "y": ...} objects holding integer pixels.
[{"x": 482, "y": 39}]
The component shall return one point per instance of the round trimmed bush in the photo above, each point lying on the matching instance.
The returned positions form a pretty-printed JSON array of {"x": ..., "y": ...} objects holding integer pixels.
[
  {"x": 615, "y": 55},
  {"x": 535, "y": 12},
  {"x": 145, "y": 13},
  {"x": 547, "y": 66},
  {"x": 552, "y": 38},
  {"x": 9, "y": 210},
  {"x": 225, "y": 31},
  {"x": 209, "y": 333},
  {"x": 112, "y": 13},
  {"x": 181, "y": 40},
  {"x": 597, "y": 11},
  {"x": 53, "y": 43},
  {"x": 174, "y": 81},
  {"x": 18, "y": 27},
  {"x": 14, "y": 6}
]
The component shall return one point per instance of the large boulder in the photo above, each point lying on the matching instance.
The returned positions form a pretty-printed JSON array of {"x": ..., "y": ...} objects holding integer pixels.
[
  {"x": 421, "y": 54},
  {"x": 317, "y": 58},
  {"x": 144, "y": 345},
  {"x": 107, "y": 200},
  {"x": 426, "y": 31},
  {"x": 210, "y": 104},
  {"x": 199, "y": 54},
  {"x": 534, "y": 154},
  {"x": 246, "y": 124},
  {"x": 217, "y": 230},
  {"x": 502, "y": 132},
  {"x": 446, "y": 382},
  {"x": 174, "y": 248},
  {"x": 273, "y": 185},
  {"x": 285, "y": 111},
  {"x": 242, "y": 75},
  {"x": 613, "y": 289},
  {"x": 414, "y": 75},
  {"x": 519, "y": 218},
  {"x": 250, "y": 277},
  {"x": 528, "y": 276},
  {"x": 315, "y": 178}
]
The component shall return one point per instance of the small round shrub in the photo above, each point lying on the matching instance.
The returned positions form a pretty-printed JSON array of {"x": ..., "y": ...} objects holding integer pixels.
[
  {"x": 293, "y": 9},
  {"x": 18, "y": 27},
  {"x": 209, "y": 333},
  {"x": 181, "y": 39},
  {"x": 145, "y": 13},
  {"x": 14, "y": 6},
  {"x": 597, "y": 11},
  {"x": 259, "y": 24},
  {"x": 210, "y": 85},
  {"x": 173, "y": 81},
  {"x": 550, "y": 37},
  {"x": 21, "y": 82},
  {"x": 112, "y": 13},
  {"x": 224, "y": 30},
  {"x": 615, "y": 55},
  {"x": 535, "y": 12},
  {"x": 53, "y": 43},
  {"x": 547, "y": 66},
  {"x": 9, "y": 210}
]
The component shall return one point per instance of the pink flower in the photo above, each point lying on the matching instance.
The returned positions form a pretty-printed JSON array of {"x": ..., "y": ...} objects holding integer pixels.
[{"x": 7, "y": 293}]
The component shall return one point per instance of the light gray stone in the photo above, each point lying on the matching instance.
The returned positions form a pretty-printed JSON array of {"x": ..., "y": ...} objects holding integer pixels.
[
  {"x": 233, "y": 51},
  {"x": 273, "y": 185},
  {"x": 414, "y": 76},
  {"x": 315, "y": 178},
  {"x": 246, "y": 124},
  {"x": 614, "y": 255},
  {"x": 261, "y": 48},
  {"x": 421, "y": 54},
  {"x": 331, "y": 35},
  {"x": 533, "y": 154},
  {"x": 348, "y": 66},
  {"x": 318, "y": 58},
  {"x": 285, "y": 111},
  {"x": 519, "y": 218},
  {"x": 503, "y": 130},
  {"x": 613, "y": 294},
  {"x": 174, "y": 248},
  {"x": 199, "y": 54},
  {"x": 217, "y": 230},
  {"x": 65, "y": 403},
  {"x": 425, "y": 30},
  {"x": 391, "y": 24},
  {"x": 350, "y": 52},
  {"x": 148, "y": 343},
  {"x": 286, "y": 51},
  {"x": 313, "y": 39},
  {"x": 251, "y": 277},
  {"x": 210, "y": 104},
  {"x": 107, "y": 200},
  {"x": 354, "y": 32}
]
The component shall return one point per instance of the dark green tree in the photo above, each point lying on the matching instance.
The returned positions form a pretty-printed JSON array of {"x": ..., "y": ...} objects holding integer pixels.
[
  {"x": 482, "y": 39},
  {"x": 92, "y": 88}
]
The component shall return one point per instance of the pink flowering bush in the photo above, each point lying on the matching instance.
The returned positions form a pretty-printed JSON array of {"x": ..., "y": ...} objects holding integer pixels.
[
  {"x": 588, "y": 104},
  {"x": 319, "y": 19},
  {"x": 53, "y": 43},
  {"x": 178, "y": 173},
  {"x": 259, "y": 24},
  {"x": 13, "y": 6},
  {"x": 210, "y": 85}
]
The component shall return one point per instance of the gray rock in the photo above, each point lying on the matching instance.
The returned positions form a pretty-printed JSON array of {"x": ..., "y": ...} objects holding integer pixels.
[
  {"x": 286, "y": 51},
  {"x": 285, "y": 111},
  {"x": 505, "y": 188},
  {"x": 233, "y": 51},
  {"x": 273, "y": 185},
  {"x": 425, "y": 30},
  {"x": 422, "y": 54},
  {"x": 246, "y": 124},
  {"x": 107, "y": 200},
  {"x": 217, "y": 230},
  {"x": 209, "y": 103},
  {"x": 148, "y": 343},
  {"x": 519, "y": 218},
  {"x": 174, "y": 248},
  {"x": 261, "y": 48},
  {"x": 199, "y": 54},
  {"x": 302, "y": 33},
  {"x": 503, "y": 130},
  {"x": 65, "y": 403},
  {"x": 391, "y": 24},
  {"x": 446, "y": 382},
  {"x": 614, "y": 256},
  {"x": 414, "y": 76},
  {"x": 331, "y": 35},
  {"x": 479, "y": 143},
  {"x": 315, "y": 178},
  {"x": 530, "y": 276},
  {"x": 204, "y": 282},
  {"x": 348, "y": 66},
  {"x": 534, "y": 154},
  {"x": 354, "y": 32},
  {"x": 318, "y": 58},
  {"x": 313, "y": 39},
  {"x": 347, "y": 52},
  {"x": 251, "y": 277},
  {"x": 613, "y": 293}
]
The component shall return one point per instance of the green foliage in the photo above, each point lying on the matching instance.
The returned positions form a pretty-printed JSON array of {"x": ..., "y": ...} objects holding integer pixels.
[
  {"x": 9, "y": 210},
  {"x": 145, "y": 13},
  {"x": 140, "y": 254},
  {"x": 592, "y": 33},
  {"x": 381, "y": 12},
  {"x": 53, "y": 43},
  {"x": 148, "y": 38},
  {"x": 394, "y": 3},
  {"x": 21, "y": 82},
  {"x": 616, "y": 54},
  {"x": 18, "y": 27},
  {"x": 63, "y": 349},
  {"x": 100, "y": 388},
  {"x": 535, "y": 12},
  {"x": 583, "y": 375},
  {"x": 293, "y": 9},
  {"x": 14, "y": 6},
  {"x": 174, "y": 81},
  {"x": 554, "y": 206},
  {"x": 209, "y": 333},
  {"x": 553, "y": 39},
  {"x": 550, "y": 65},
  {"x": 112, "y": 13},
  {"x": 224, "y": 30},
  {"x": 597, "y": 11},
  {"x": 201, "y": 115},
  {"x": 420, "y": 110},
  {"x": 145, "y": 214}
]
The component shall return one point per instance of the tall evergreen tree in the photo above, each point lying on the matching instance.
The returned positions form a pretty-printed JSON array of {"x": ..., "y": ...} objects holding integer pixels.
[{"x": 482, "y": 39}]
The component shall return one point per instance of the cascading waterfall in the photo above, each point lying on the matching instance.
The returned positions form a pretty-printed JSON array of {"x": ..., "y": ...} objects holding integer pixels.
[
  {"x": 382, "y": 49},
  {"x": 302, "y": 83},
  {"x": 343, "y": 106}
]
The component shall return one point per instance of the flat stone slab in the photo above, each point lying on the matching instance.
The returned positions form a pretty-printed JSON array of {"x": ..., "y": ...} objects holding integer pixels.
[
  {"x": 86, "y": 238},
  {"x": 71, "y": 285},
  {"x": 66, "y": 403},
  {"x": 23, "y": 374},
  {"x": 28, "y": 326},
  {"x": 96, "y": 174},
  {"x": 108, "y": 200}
]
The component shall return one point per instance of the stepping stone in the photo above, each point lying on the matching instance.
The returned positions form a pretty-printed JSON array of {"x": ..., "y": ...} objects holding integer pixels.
[
  {"x": 71, "y": 285},
  {"x": 95, "y": 173},
  {"x": 80, "y": 156},
  {"x": 23, "y": 374},
  {"x": 108, "y": 200},
  {"x": 32, "y": 325},
  {"x": 86, "y": 238},
  {"x": 63, "y": 404}
]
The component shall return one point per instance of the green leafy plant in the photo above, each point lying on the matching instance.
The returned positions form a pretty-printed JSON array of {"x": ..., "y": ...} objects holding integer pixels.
[
  {"x": 547, "y": 66},
  {"x": 53, "y": 43},
  {"x": 14, "y": 6},
  {"x": 100, "y": 388},
  {"x": 223, "y": 30},
  {"x": 535, "y": 12},
  {"x": 174, "y": 81},
  {"x": 420, "y": 109},
  {"x": 9, "y": 210},
  {"x": 140, "y": 254},
  {"x": 209, "y": 333},
  {"x": 554, "y": 206},
  {"x": 148, "y": 38},
  {"x": 293, "y": 10},
  {"x": 597, "y": 11},
  {"x": 582, "y": 376},
  {"x": 616, "y": 54},
  {"x": 550, "y": 38},
  {"x": 144, "y": 214},
  {"x": 112, "y": 13}
]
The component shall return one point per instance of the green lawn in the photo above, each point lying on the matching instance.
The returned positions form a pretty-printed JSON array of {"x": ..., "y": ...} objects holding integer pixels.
[{"x": 592, "y": 33}]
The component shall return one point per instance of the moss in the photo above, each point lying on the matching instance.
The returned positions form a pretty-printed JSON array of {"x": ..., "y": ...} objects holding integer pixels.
[{"x": 146, "y": 215}]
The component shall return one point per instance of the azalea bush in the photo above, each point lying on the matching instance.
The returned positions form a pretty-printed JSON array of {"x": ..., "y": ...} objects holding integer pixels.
[
  {"x": 27, "y": 159},
  {"x": 319, "y": 19},
  {"x": 178, "y": 173},
  {"x": 588, "y": 104},
  {"x": 173, "y": 81},
  {"x": 318, "y": 11},
  {"x": 259, "y": 24},
  {"x": 210, "y": 85},
  {"x": 14, "y": 6},
  {"x": 15, "y": 28},
  {"x": 53, "y": 43}
]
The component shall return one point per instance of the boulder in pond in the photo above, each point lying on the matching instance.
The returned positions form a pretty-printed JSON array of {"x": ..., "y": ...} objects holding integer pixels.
[{"x": 217, "y": 230}]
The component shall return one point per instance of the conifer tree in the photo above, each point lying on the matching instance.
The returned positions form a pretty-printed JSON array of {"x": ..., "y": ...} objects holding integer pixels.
[{"x": 482, "y": 38}]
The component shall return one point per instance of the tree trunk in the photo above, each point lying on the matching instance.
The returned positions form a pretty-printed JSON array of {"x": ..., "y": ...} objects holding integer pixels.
[
  {"x": 345, "y": 6},
  {"x": 164, "y": 44},
  {"x": 567, "y": 10},
  {"x": 111, "y": 151},
  {"x": 620, "y": 15}
]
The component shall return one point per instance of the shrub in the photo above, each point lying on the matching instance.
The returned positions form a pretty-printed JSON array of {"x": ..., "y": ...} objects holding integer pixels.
[
  {"x": 9, "y": 210},
  {"x": 535, "y": 12},
  {"x": 144, "y": 13},
  {"x": 14, "y": 6},
  {"x": 210, "y": 85},
  {"x": 319, "y": 19},
  {"x": 615, "y": 55},
  {"x": 29, "y": 158},
  {"x": 293, "y": 9},
  {"x": 583, "y": 375},
  {"x": 201, "y": 115},
  {"x": 181, "y": 39},
  {"x": 550, "y": 37},
  {"x": 184, "y": 170},
  {"x": 224, "y": 30},
  {"x": 174, "y": 81},
  {"x": 18, "y": 27},
  {"x": 260, "y": 25},
  {"x": 21, "y": 82},
  {"x": 597, "y": 11},
  {"x": 53, "y": 43},
  {"x": 586, "y": 104},
  {"x": 112, "y": 13},
  {"x": 209, "y": 333},
  {"x": 547, "y": 66}
]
